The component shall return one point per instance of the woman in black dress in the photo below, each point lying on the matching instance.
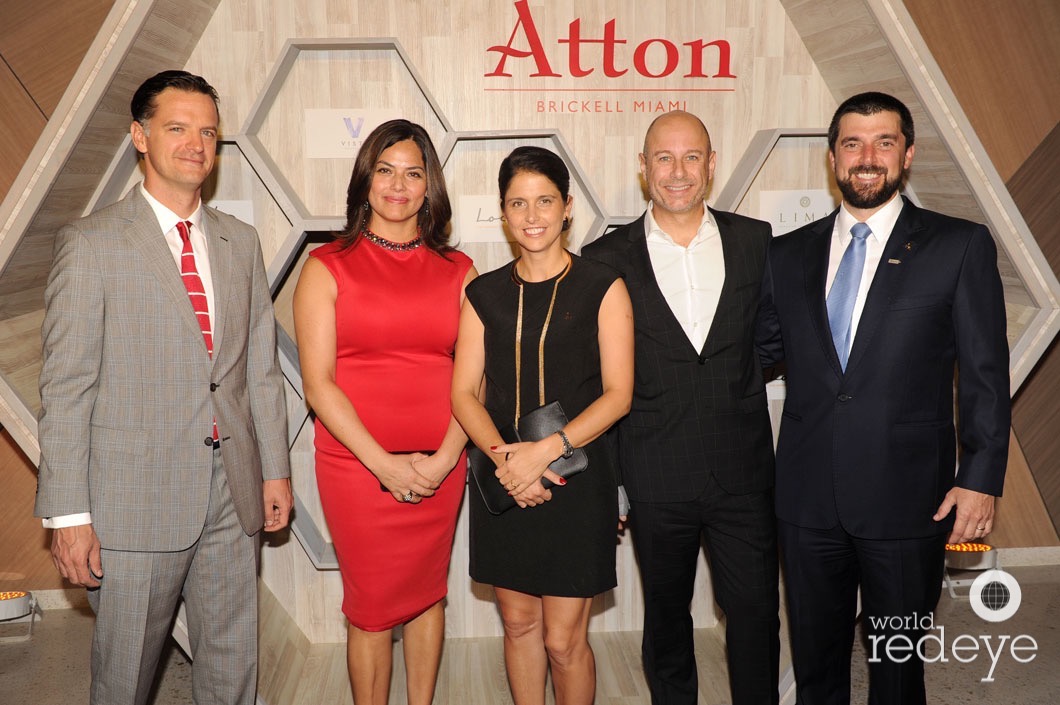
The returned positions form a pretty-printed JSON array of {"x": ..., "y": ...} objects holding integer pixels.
[{"x": 572, "y": 323}]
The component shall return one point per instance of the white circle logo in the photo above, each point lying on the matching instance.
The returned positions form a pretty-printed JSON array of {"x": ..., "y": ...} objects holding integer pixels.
[{"x": 995, "y": 596}]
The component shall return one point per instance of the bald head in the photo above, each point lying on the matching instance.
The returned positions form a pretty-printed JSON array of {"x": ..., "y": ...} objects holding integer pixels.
[{"x": 675, "y": 119}]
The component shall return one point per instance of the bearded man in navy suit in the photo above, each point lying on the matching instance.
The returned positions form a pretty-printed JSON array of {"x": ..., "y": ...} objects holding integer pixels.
[{"x": 874, "y": 309}]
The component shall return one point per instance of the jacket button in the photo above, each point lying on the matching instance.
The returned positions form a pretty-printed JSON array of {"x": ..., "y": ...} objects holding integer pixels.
[
  {"x": 844, "y": 397},
  {"x": 213, "y": 386},
  {"x": 208, "y": 441}
]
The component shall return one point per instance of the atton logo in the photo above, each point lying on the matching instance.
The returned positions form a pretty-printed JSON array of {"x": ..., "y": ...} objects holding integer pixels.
[
  {"x": 586, "y": 51},
  {"x": 995, "y": 596}
]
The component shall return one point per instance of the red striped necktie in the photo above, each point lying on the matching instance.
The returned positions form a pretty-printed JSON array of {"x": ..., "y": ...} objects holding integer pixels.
[{"x": 196, "y": 291}]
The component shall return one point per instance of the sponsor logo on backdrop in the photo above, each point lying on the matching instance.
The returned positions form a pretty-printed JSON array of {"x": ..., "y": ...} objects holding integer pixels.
[
  {"x": 613, "y": 61},
  {"x": 480, "y": 219},
  {"x": 788, "y": 210},
  {"x": 337, "y": 133}
]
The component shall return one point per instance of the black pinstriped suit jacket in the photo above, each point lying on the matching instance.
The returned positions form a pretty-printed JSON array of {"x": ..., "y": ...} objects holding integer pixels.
[{"x": 694, "y": 412}]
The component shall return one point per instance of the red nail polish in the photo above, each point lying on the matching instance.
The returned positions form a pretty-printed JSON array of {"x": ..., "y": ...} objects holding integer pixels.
[
  {"x": 562, "y": 481},
  {"x": 493, "y": 448}
]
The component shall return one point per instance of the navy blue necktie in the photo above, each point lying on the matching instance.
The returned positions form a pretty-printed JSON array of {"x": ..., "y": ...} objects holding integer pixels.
[{"x": 844, "y": 291}]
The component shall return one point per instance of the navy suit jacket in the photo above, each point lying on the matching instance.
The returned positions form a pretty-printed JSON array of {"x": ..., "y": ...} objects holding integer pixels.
[
  {"x": 694, "y": 412},
  {"x": 875, "y": 449}
]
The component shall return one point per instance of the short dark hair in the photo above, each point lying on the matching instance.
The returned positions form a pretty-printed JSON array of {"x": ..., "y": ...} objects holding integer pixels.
[
  {"x": 433, "y": 217},
  {"x": 143, "y": 101},
  {"x": 869, "y": 104},
  {"x": 534, "y": 160}
]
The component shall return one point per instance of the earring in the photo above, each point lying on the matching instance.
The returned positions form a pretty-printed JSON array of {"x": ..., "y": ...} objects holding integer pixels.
[
  {"x": 426, "y": 207},
  {"x": 366, "y": 206},
  {"x": 566, "y": 223}
]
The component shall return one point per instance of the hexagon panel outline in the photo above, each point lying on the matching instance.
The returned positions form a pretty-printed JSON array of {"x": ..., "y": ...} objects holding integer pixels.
[
  {"x": 263, "y": 161},
  {"x": 599, "y": 222}
]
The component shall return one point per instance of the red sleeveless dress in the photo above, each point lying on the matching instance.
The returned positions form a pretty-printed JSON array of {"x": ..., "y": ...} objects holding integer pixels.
[{"x": 396, "y": 317}]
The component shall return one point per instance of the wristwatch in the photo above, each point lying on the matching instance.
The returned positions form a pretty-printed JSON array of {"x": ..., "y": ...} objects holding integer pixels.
[{"x": 568, "y": 449}]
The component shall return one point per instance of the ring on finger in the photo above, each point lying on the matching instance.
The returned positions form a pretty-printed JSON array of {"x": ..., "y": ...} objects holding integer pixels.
[{"x": 408, "y": 496}]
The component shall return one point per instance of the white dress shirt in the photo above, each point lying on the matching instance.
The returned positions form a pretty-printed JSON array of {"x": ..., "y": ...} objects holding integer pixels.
[
  {"x": 167, "y": 221},
  {"x": 690, "y": 277},
  {"x": 881, "y": 223}
]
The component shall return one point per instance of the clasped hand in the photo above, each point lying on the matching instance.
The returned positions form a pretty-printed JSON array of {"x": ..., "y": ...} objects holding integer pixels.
[
  {"x": 523, "y": 468},
  {"x": 403, "y": 473}
]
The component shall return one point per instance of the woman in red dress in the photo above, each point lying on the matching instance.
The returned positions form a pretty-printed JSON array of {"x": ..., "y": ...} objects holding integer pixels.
[{"x": 376, "y": 317}]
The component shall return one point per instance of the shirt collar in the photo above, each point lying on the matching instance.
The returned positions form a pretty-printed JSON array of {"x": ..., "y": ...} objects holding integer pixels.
[
  {"x": 707, "y": 227},
  {"x": 167, "y": 219},
  {"x": 881, "y": 222}
]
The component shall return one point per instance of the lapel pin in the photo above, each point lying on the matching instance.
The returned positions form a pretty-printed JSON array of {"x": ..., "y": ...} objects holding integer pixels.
[
  {"x": 908, "y": 246},
  {"x": 894, "y": 261}
]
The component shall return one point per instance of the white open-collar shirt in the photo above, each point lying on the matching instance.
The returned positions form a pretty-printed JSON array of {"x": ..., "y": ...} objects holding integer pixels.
[{"x": 690, "y": 277}]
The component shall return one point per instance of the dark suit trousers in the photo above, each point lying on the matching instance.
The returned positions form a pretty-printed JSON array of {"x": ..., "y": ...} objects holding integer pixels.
[
  {"x": 740, "y": 535},
  {"x": 898, "y": 578}
]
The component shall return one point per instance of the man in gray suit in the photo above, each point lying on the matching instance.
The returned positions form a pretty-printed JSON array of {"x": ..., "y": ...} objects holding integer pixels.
[{"x": 162, "y": 425}]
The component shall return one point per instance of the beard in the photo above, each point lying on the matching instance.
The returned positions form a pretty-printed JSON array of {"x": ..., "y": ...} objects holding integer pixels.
[{"x": 867, "y": 197}]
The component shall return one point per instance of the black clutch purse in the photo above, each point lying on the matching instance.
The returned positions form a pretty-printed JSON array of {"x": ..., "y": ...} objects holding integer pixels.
[{"x": 540, "y": 423}]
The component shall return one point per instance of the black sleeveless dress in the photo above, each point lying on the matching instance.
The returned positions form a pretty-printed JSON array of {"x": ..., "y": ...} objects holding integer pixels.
[{"x": 564, "y": 547}]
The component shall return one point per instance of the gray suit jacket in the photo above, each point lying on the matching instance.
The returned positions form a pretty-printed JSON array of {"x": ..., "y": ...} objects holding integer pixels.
[{"x": 129, "y": 393}]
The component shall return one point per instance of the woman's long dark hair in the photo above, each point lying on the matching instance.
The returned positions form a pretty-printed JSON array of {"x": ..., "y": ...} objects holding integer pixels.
[{"x": 433, "y": 217}]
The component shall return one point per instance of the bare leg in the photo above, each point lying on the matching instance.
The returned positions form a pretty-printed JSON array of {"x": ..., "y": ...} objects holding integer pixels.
[
  {"x": 524, "y": 646},
  {"x": 569, "y": 654},
  {"x": 422, "y": 645},
  {"x": 368, "y": 657}
]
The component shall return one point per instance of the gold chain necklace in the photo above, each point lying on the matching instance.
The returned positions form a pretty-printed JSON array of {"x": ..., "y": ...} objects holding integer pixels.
[{"x": 540, "y": 342}]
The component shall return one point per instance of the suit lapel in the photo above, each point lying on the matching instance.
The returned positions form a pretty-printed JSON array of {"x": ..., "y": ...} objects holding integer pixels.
[
  {"x": 145, "y": 237},
  {"x": 901, "y": 247},
  {"x": 220, "y": 270},
  {"x": 653, "y": 296},
  {"x": 732, "y": 249},
  {"x": 815, "y": 275}
]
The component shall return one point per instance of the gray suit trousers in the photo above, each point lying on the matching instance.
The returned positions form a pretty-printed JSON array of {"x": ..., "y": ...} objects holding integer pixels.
[{"x": 137, "y": 601}]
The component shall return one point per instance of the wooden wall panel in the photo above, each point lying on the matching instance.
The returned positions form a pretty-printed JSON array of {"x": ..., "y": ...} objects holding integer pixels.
[
  {"x": 1022, "y": 518},
  {"x": 41, "y": 46},
  {"x": 778, "y": 84},
  {"x": 1000, "y": 59},
  {"x": 994, "y": 56},
  {"x": 948, "y": 172},
  {"x": 787, "y": 75},
  {"x": 25, "y": 556},
  {"x": 137, "y": 40},
  {"x": 1036, "y": 410},
  {"x": 849, "y": 41},
  {"x": 21, "y": 123},
  {"x": 44, "y": 42}
]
